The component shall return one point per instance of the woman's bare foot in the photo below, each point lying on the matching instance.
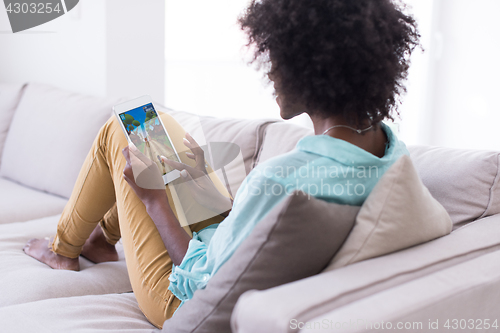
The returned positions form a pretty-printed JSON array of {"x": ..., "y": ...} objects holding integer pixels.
[
  {"x": 97, "y": 249},
  {"x": 39, "y": 249}
]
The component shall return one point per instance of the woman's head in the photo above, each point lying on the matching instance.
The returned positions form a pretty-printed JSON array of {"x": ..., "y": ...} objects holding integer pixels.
[{"x": 346, "y": 58}]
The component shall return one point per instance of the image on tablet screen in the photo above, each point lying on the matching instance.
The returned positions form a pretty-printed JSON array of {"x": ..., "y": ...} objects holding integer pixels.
[{"x": 148, "y": 135}]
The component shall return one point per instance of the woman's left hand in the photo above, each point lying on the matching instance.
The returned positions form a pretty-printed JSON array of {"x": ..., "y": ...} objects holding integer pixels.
[
  {"x": 147, "y": 196},
  {"x": 202, "y": 189}
]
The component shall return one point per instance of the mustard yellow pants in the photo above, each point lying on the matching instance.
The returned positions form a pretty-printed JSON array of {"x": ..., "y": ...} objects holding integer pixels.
[{"x": 101, "y": 196}]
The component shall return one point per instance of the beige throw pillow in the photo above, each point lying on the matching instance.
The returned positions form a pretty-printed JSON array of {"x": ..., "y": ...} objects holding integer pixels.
[
  {"x": 399, "y": 213},
  {"x": 297, "y": 239}
]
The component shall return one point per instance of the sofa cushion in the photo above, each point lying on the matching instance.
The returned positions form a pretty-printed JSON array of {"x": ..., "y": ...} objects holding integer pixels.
[
  {"x": 399, "y": 213},
  {"x": 23, "y": 279},
  {"x": 244, "y": 133},
  {"x": 19, "y": 203},
  {"x": 50, "y": 136},
  {"x": 96, "y": 313},
  {"x": 272, "y": 310},
  {"x": 295, "y": 240},
  {"x": 465, "y": 182},
  {"x": 279, "y": 138},
  {"x": 10, "y": 95}
]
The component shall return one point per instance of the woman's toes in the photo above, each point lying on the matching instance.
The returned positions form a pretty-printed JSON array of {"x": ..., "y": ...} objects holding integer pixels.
[{"x": 28, "y": 244}]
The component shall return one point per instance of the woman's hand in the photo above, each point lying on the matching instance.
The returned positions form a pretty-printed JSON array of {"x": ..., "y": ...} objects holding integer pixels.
[
  {"x": 198, "y": 181},
  {"x": 147, "y": 196},
  {"x": 174, "y": 237}
]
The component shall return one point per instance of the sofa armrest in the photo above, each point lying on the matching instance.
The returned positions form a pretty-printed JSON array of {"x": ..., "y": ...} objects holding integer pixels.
[
  {"x": 465, "y": 296},
  {"x": 272, "y": 310}
]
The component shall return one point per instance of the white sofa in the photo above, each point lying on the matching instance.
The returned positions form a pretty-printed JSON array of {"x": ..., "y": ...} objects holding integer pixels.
[{"x": 45, "y": 134}]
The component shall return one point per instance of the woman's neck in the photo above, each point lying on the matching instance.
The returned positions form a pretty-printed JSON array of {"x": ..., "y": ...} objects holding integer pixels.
[
  {"x": 373, "y": 140},
  {"x": 322, "y": 124}
]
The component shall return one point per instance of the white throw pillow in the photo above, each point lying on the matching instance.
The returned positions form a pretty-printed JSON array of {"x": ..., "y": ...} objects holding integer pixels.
[
  {"x": 10, "y": 94},
  {"x": 399, "y": 213},
  {"x": 50, "y": 136}
]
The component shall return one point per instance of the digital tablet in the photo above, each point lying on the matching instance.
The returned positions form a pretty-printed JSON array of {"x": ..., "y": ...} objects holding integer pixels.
[{"x": 143, "y": 127}]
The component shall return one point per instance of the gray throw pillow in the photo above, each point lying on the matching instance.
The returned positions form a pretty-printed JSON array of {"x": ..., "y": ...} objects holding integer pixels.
[{"x": 297, "y": 239}]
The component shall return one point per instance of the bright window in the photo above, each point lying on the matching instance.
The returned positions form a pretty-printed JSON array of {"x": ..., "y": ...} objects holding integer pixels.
[
  {"x": 205, "y": 71},
  {"x": 452, "y": 87}
]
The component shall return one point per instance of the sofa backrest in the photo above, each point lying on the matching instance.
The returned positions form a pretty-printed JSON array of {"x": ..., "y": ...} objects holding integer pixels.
[
  {"x": 280, "y": 138},
  {"x": 49, "y": 131},
  {"x": 50, "y": 135},
  {"x": 10, "y": 95},
  {"x": 52, "y": 130},
  {"x": 465, "y": 182}
]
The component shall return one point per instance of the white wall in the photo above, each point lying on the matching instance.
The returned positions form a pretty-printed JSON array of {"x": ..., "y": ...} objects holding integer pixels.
[
  {"x": 103, "y": 48},
  {"x": 135, "y": 32},
  {"x": 68, "y": 52},
  {"x": 205, "y": 71}
]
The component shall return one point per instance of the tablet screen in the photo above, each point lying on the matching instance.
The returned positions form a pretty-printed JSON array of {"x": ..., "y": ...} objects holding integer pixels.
[{"x": 146, "y": 131}]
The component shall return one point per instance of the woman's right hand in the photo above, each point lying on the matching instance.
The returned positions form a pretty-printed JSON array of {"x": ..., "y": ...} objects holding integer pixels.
[{"x": 197, "y": 179}]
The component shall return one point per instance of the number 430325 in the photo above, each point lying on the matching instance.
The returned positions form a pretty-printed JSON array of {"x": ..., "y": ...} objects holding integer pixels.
[
  {"x": 39, "y": 8},
  {"x": 477, "y": 324}
]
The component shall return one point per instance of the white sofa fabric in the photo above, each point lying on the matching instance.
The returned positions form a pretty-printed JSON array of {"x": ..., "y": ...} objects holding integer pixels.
[
  {"x": 23, "y": 279},
  {"x": 10, "y": 95},
  {"x": 466, "y": 182},
  {"x": 54, "y": 127},
  {"x": 462, "y": 292},
  {"x": 98, "y": 299},
  {"x": 19, "y": 203},
  {"x": 439, "y": 297},
  {"x": 112, "y": 313},
  {"x": 271, "y": 310}
]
